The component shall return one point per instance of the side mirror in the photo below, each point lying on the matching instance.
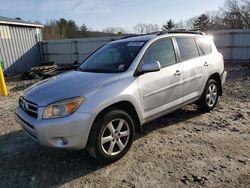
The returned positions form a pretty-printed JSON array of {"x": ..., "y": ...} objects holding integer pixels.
[{"x": 150, "y": 66}]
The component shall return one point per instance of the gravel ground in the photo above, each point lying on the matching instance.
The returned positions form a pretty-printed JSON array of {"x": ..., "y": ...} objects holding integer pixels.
[{"x": 183, "y": 149}]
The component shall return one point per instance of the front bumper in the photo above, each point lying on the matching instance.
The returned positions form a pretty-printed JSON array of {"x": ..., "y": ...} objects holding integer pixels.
[{"x": 69, "y": 132}]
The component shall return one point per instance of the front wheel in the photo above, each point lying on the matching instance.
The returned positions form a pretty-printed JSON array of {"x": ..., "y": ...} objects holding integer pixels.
[
  {"x": 209, "y": 97},
  {"x": 111, "y": 136}
]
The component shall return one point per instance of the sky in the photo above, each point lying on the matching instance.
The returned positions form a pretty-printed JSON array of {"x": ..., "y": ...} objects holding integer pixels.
[{"x": 99, "y": 14}]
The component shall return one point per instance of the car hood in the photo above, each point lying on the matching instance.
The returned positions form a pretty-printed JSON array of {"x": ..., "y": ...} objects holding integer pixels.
[{"x": 67, "y": 85}]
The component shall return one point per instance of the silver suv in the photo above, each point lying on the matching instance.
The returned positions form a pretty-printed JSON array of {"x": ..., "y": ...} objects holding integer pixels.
[{"x": 120, "y": 87}]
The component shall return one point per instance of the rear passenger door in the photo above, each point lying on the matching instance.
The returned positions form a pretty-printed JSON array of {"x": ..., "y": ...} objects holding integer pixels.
[
  {"x": 161, "y": 90},
  {"x": 195, "y": 67}
]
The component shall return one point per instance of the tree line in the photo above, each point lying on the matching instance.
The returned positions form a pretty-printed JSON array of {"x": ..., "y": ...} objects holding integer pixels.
[
  {"x": 65, "y": 29},
  {"x": 235, "y": 14}
]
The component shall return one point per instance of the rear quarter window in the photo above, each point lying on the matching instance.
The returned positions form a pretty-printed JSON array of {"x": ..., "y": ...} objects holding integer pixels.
[
  {"x": 188, "y": 48},
  {"x": 205, "y": 45}
]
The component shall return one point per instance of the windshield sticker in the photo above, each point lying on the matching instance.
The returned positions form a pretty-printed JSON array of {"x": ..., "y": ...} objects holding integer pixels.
[
  {"x": 121, "y": 67},
  {"x": 135, "y": 43}
]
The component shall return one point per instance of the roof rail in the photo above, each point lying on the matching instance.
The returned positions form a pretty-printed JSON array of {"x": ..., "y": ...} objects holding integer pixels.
[
  {"x": 128, "y": 36},
  {"x": 184, "y": 31},
  {"x": 136, "y": 35}
]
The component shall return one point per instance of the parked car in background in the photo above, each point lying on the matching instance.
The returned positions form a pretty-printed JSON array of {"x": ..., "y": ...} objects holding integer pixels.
[{"x": 120, "y": 87}]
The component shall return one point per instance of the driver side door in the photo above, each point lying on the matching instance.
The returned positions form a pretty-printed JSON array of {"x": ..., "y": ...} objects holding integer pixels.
[{"x": 161, "y": 90}]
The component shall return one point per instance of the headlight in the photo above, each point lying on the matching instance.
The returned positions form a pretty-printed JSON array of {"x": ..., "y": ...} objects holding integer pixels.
[{"x": 62, "y": 108}]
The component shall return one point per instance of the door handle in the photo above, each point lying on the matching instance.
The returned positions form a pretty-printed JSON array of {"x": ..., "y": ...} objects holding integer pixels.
[
  {"x": 177, "y": 73},
  {"x": 206, "y": 64}
]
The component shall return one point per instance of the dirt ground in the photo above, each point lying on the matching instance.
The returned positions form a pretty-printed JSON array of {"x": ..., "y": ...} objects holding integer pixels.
[{"x": 183, "y": 149}]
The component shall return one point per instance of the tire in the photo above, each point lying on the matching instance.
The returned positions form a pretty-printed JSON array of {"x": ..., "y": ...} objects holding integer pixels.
[
  {"x": 111, "y": 136},
  {"x": 209, "y": 96}
]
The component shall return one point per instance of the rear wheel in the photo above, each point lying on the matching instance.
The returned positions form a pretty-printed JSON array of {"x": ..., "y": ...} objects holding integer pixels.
[
  {"x": 209, "y": 97},
  {"x": 111, "y": 136}
]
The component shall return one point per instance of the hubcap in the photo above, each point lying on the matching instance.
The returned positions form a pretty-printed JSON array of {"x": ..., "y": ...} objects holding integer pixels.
[
  {"x": 211, "y": 95},
  {"x": 115, "y": 136}
]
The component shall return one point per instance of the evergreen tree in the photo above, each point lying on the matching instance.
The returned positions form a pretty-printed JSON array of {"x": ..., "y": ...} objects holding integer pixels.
[
  {"x": 170, "y": 25},
  {"x": 202, "y": 23}
]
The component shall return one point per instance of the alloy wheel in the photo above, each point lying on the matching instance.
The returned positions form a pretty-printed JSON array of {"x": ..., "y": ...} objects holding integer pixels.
[
  {"x": 115, "y": 137},
  {"x": 212, "y": 95}
]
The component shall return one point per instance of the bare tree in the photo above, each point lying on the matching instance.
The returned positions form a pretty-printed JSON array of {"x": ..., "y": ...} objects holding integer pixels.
[
  {"x": 189, "y": 23},
  {"x": 216, "y": 20},
  {"x": 51, "y": 31},
  {"x": 180, "y": 25},
  {"x": 150, "y": 28},
  {"x": 114, "y": 30},
  {"x": 109, "y": 30},
  {"x": 140, "y": 28},
  {"x": 236, "y": 14}
]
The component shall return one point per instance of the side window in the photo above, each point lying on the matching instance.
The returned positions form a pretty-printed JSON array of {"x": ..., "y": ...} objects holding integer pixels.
[
  {"x": 188, "y": 48},
  {"x": 162, "y": 51},
  {"x": 205, "y": 45}
]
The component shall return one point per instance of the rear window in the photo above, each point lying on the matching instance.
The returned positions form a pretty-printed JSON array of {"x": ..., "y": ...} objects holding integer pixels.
[
  {"x": 188, "y": 48},
  {"x": 205, "y": 45}
]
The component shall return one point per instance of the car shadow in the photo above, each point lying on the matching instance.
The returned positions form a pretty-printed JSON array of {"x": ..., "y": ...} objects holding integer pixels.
[
  {"x": 183, "y": 114},
  {"x": 25, "y": 163}
]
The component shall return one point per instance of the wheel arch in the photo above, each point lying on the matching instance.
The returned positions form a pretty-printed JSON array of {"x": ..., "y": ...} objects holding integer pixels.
[{"x": 127, "y": 107}]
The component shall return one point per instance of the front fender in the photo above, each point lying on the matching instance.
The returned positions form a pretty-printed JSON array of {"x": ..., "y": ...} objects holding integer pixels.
[{"x": 124, "y": 90}]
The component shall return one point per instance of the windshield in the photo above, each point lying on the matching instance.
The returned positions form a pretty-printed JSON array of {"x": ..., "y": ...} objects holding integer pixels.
[{"x": 114, "y": 57}]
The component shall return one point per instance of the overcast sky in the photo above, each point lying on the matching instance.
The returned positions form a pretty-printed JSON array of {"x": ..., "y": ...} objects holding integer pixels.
[{"x": 99, "y": 14}]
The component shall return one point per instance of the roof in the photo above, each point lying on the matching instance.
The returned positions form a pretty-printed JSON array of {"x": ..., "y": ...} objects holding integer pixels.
[
  {"x": 147, "y": 37},
  {"x": 10, "y": 21}
]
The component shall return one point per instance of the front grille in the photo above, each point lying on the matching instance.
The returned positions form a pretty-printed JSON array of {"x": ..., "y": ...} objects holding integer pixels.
[{"x": 29, "y": 107}]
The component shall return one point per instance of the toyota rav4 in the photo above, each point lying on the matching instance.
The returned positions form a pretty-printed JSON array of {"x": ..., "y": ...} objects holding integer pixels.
[{"x": 120, "y": 87}]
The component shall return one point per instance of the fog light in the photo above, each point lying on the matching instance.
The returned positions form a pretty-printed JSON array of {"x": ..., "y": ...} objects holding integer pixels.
[{"x": 64, "y": 141}]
